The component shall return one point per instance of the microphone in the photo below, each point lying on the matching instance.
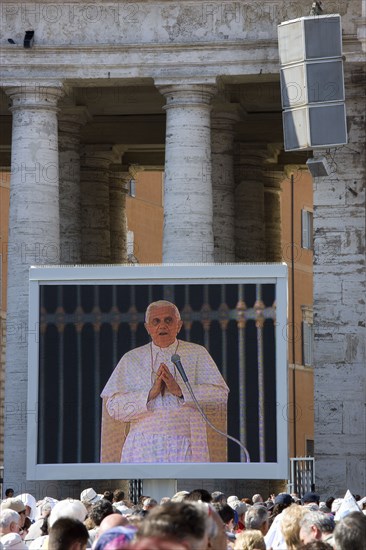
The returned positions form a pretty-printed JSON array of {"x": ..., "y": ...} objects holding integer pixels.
[{"x": 175, "y": 359}]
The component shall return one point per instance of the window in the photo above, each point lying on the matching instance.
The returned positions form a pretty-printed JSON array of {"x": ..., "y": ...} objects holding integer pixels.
[
  {"x": 307, "y": 336},
  {"x": 131, "y": 248},
  {"x": 309, "y": 447},
  {"x": 307, "y": 229},
  {"x": 132, "y": 187},
  {"x": 307, "y": 344}
]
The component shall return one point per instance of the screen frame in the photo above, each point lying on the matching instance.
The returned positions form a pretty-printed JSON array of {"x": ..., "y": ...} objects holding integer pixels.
[{"x": 161, "y": 274}]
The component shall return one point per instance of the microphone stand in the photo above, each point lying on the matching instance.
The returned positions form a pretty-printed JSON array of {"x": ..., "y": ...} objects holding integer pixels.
[{"x": 198, "y": 406}]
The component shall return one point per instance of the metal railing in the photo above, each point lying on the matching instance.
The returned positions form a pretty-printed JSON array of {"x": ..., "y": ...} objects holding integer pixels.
[{"x": 302, "y": 475}]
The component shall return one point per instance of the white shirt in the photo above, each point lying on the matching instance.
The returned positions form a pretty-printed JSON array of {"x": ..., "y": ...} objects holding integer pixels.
[{"x": 168, "y": 428}]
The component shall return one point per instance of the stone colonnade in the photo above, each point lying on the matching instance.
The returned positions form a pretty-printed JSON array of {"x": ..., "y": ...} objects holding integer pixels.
[
  {"x": 213, "y": 191},
  {"x": 68, "y": 203},
  {"x": 34, "y": 238}
]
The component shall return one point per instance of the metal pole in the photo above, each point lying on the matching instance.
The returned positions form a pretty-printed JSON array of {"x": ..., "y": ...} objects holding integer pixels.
[{"x": 293, "y": 312}]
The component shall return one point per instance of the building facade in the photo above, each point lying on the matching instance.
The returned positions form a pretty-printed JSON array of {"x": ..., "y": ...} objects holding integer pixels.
[{"x": 192, "y": 86}]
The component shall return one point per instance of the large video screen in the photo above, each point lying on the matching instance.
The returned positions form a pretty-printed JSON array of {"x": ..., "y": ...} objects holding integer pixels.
[{"x": 158, "y": 372}]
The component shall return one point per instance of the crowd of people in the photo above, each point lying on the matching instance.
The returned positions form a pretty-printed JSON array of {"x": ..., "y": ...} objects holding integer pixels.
[{"x": 195, "y": 520}]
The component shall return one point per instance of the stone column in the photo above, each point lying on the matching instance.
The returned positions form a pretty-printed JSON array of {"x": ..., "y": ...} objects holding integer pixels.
[
  {"x": 339, "y": 308},
  {"x": 272, "y": 214},
  {"x": 34, "y": 238},
  {"x": 119, "y": 177},
  {"x": 188, "y": 235},
  {"x": 95, "y": 220},
  {"x": 70, "y": 121},
  {"x": 223, "y": 119},
  {"x": 249, "y": 202}
]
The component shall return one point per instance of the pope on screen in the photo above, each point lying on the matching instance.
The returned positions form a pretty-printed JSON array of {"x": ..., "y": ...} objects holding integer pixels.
[{"x": 149, "y": 414}]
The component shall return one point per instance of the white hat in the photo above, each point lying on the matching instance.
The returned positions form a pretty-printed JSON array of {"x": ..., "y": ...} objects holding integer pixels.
[
  {"x": 30, "y": 501},
  {"x": 67, "y": 508},
  {"x": 90, "y": 496},
  {"x": 15, "y": 504}
]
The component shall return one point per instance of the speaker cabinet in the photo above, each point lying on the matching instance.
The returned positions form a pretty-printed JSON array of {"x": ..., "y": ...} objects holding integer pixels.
[
  {"x": 311, "y": 126},
  {"x": 312, "y": 82},
  {"x": 309, "y": 38}
]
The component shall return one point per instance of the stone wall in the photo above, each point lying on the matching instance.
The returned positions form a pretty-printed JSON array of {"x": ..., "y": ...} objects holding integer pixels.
[
  {"x": 339, "y": 308},
  {"x": 2, "y": 381}
]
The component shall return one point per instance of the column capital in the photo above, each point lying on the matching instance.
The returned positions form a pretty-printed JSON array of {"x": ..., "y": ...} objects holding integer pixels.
[
  {"x": 273, "y": 176},
  {"x": 231, "y": 111},
  {"x": 119, "y": 176},
  {"x": 186, "y": 93},
  {"x": 134, "y": 169},
  {"x": 274, "y": 149},
  {"x": 102, "y": 154},
  {"x": 72, "y": 114},
  {"x": 251, "y": 158},
  {"x": 38, "y": 95}
]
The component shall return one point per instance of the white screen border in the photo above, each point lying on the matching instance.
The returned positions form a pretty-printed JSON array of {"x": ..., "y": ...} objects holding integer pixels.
[{"x": 161, "y": 274}]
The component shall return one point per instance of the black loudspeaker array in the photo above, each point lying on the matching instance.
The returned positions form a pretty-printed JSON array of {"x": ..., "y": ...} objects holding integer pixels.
[{"x": 312, "y": 82}]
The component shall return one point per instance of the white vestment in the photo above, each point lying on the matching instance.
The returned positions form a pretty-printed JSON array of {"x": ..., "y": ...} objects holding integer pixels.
[{"x": 167, "y": 428}]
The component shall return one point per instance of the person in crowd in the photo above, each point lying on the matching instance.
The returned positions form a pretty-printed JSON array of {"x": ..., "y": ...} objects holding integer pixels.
[
  {"x": 30, "y": 505},
  {"x": 148, "y": 505},
  {"x": 111, "y": 521},
  {"x": 311, "y": 500},
  {"x": 146, "y": 394},
  {"x": 316, "y": 526},
  {"x": 40, "y": 527},
  {"x": 118, "y": 496},
  {"x": 274, "y": 538},
  {"x": 68, "y": 508},
  {"x": 27, "y": 525},
  {"x": 16, "y": 505},
  {"x": 68, "y": 534},
  {"x": 97, "y": 513},
  {"x": 116, "y": 538},
  {"x": 10, "y": 530},
  {"x": 257, "y": 499},
  {"x": 350, "y": 532},
  {"x": 120, "y": 504},
  {"x": 316, "y": 545},
  {"x": 198, "y": 494},
  {"x": 179, "y": 496},
  {"x": 163, "y": 500},
  {"x": 240, "y": 509},
  {"x": 9, "y": 493},
  {"x": 89, "y": 497},
  {"x": 218, "y": 497},
  {"x": 108, "y": 495},
  {"x": 231, "y": 499},
  {"x": 228, "y": 516},
  {"x": 183, "y": 521},
  {"x": 250, "y": 540},
  {"x": 257, "y": 518},
  {"x": 326, "y": 506},
  {"x": 290, "y": 526}
]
